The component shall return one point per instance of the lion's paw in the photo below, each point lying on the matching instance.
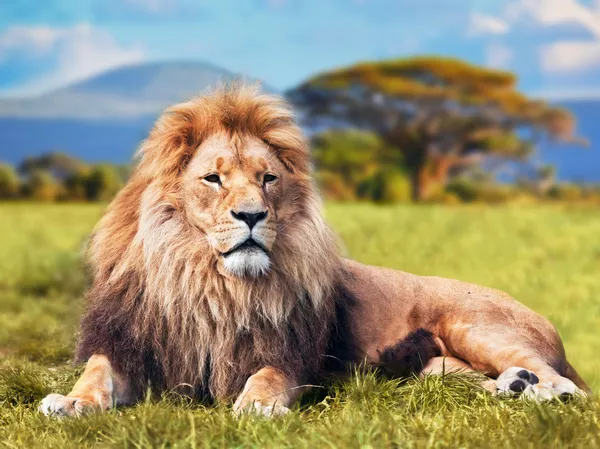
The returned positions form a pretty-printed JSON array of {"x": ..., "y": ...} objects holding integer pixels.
[
  {"x": 515, "y": 381},
  {"x": 258, "y": 409},
  {"x": 521, "y": 382},
  {"x": 60, "y": 406}
]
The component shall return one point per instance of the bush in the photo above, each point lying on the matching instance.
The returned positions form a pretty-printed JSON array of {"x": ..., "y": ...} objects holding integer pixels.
[
  {"x": 76, "y": 185},
  {"x": 386, "y": 186},
  {"x": 41, "y": 186},
  {"x": 9, "y": 182},
  {"x": 103, "y": 183},
  {"x": 463, "y": 189},
  {"x": 566, "y": 192},
  {"x": 355, "y": 164},
  {"x": 469, "y": 191}
]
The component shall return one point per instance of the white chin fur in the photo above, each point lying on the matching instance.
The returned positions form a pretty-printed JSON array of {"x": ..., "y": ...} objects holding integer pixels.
[{"x": 252, "y": 262}]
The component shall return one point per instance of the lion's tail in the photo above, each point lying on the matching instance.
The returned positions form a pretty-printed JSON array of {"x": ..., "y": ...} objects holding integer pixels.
[
  {"x": 572, "y": 375},
  {"x": 410, "y": 355}
]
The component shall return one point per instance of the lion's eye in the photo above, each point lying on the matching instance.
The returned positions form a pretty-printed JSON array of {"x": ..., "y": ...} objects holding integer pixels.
[
  {"x": 213, "y": 178},
  {"x": 269, "y": 178}
]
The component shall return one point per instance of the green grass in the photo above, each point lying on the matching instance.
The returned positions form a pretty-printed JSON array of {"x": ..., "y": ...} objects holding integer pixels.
[{"x": 546, "y": 256}]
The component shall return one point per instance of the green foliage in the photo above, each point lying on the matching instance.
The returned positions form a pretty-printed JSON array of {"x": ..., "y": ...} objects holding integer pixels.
[
  {"x": 76, "y": 185},
  {"x": 60, "y": 165},
  {"x": 103, "y": 182},
  {"x": 386, "y": 185},
  {"x": 357, "y": 165},
  {"x": 57, "y": 176},
  {"x": 439, "y": 114},
  {"x": 42, "y": 186},
  {"x": 566, "y": 192},
  {"x": 10, "y": 184},
  {"x": 530, "y": 256},
  {"x": 468, "y": 190}
]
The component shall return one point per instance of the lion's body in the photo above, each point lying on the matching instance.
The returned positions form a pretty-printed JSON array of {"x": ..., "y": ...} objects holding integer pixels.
[
  {"x": 484, "y": 327},
  {"x": 214, "y": 273}
]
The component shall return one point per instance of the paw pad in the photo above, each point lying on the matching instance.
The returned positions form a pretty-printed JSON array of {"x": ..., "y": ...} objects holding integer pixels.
[{"x": 515, "y": 381}]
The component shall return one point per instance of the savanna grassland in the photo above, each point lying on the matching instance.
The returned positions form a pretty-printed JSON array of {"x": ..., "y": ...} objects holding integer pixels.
[{"x": 546, "y": 256}]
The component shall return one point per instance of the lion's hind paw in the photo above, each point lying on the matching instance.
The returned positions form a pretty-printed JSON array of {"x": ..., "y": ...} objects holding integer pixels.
[{"x": 521, "y": 382}]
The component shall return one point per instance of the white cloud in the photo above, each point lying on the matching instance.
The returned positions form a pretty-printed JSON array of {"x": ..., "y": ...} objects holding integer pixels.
[
  {"x": 20, "y": 38},
  {"x": 81, "y": 51},
  {"x": 480, "y": 24},
  {"x": 570, "y": 56},
  {"x": 563, "y": 56},
  {"x": 498, "y": 56},
  {"x": 558, "y": 12}
]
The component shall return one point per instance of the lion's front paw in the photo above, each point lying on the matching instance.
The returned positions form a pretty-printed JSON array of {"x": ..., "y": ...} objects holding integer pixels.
[
  {"x": 59, "y": 405},
  {"x": 256, "y": 408}
]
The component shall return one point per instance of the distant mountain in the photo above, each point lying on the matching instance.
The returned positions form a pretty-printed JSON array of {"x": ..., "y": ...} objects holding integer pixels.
[
  {"x": 127, "y": 92},
  {"x": 105, "y": 118}
]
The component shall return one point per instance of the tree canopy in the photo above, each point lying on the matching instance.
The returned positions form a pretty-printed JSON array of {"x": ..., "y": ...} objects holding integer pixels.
[{"x": 441, "y": 114}]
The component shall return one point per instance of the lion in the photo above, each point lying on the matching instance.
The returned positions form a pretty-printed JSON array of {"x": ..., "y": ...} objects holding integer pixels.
[{"x": 215, "y": 275}]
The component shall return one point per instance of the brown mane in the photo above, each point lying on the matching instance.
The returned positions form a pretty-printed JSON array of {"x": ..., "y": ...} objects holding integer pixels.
[{"x": 158, "y": 307}]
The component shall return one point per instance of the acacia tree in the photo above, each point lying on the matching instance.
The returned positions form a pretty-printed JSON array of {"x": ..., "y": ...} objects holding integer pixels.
[{"x": 440, "y": 114}]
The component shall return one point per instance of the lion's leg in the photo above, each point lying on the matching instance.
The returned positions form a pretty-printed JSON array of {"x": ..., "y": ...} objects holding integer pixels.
[
  {"x": 445, "y": 365},
  {"x": 268, "y": 392},
  {"x": 98, "y": 388},
  {"x": 535, "y": 379},
  {"x": 521, "y": 367}
]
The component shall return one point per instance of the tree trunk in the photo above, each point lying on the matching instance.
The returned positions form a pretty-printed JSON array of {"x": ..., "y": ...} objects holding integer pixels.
[{"x": 430, "y": 173}]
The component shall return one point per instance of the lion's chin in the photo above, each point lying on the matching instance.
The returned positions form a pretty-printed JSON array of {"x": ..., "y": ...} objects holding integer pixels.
[{"x": 247, "y": 262}]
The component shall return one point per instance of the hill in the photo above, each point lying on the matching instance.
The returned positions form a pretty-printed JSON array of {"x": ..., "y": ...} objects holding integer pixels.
[
  {"x": 105, "y": 118},
  {"x": 127, "y": 92}
]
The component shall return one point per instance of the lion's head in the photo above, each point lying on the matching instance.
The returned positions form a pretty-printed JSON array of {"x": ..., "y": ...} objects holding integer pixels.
[
  {"x": 216, "y": 252},
  {"x": 239, "y": 194}
]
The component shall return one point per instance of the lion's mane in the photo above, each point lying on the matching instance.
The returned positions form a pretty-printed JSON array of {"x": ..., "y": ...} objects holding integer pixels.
[{"x": 158, "y": 307}]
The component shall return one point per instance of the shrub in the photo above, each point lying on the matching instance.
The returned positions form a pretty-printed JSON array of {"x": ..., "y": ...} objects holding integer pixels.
[
  {"x": 386, "y": 186},
  {"x": 463, "y": 189},
  {"x": 41, "y": 186},
  {"x": 9, "y": 182},
  {"x": 469, "y": 191},
  {"x": 355, "y": 164},
  {"x": 103, "y": 182},
  {"x": 76, "y": 185},
  {"x": 565, "y": 192}
]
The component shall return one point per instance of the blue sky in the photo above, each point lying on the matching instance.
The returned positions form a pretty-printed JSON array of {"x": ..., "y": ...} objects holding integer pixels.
[{"x": 553, "y": 45}]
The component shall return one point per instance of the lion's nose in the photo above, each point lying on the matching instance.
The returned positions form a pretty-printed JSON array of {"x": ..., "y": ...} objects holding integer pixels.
[{"x": 249, "y": 218}]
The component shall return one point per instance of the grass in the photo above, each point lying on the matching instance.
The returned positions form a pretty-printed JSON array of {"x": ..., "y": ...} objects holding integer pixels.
[{"x": 546, "y": 256}]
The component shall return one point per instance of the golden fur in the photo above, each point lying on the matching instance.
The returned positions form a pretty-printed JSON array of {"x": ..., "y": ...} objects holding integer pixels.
[
  {"x": 146, "y": 255},
  {"x": 169, "y": 308}
]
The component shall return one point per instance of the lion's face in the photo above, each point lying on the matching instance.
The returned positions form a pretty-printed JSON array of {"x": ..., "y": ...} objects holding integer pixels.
[{"x": 232, "y": 190}]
